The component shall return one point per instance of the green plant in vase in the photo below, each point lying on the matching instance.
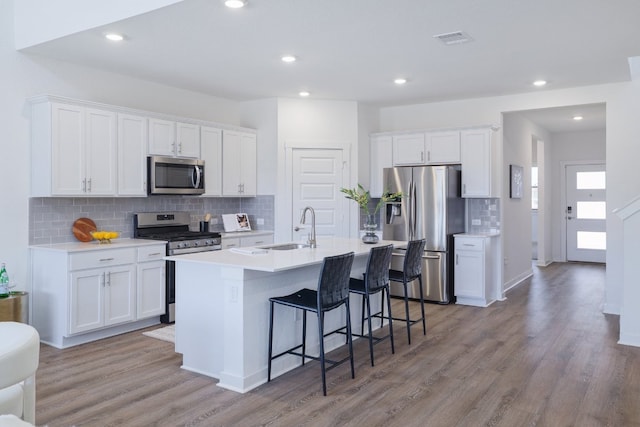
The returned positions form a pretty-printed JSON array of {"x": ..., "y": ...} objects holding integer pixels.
[{"x": 362, "y": 197}]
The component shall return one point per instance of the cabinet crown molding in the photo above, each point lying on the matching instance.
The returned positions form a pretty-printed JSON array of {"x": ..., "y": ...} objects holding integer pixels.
[
  {"x": 493, "y": 127},
  {"x": 126, "y": 110}
]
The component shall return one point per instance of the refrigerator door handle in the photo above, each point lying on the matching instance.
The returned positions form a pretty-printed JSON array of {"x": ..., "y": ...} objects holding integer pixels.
[
  {"x": 430, "y": 257},
  {"x": 415, "y": 212}
]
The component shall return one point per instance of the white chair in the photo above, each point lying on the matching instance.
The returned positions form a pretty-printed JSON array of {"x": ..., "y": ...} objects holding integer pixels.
[{"x": 19, "y": 357}]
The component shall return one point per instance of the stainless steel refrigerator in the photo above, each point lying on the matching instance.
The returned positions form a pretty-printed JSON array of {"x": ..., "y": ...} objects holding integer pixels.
[{"x": 431, "y": 208}]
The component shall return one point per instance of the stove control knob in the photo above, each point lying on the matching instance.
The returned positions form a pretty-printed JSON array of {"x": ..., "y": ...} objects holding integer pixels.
[
  {"x": 209, "y": 242},
  {"x": 196, "y": 243}
]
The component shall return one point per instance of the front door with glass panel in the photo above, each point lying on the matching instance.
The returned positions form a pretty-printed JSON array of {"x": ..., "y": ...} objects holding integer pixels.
[{"x": 586, "y": 212}]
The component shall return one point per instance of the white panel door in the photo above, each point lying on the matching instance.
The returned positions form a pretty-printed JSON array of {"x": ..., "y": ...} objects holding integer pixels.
[
  {"x": 586, "y": 212},
  {"x": 68, "y": 150},
  {"x": 132, "y": 155},
  {"x": 317, "y": 179}
]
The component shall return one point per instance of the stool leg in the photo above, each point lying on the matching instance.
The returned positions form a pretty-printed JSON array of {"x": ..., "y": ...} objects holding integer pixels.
[
  {"x": 424, "y": 321},
  {"x": 270, "y": 341},
  {"x": 406, "y": 310},
  {"x": 362, "y": 317},
  {"x": 304, "y": 335},
  {"x": 321, "y": 338},
  {"x": 369, "y": 325},
  {"x": 350, "y": 337},
  {"x": 386, "y": 289}
]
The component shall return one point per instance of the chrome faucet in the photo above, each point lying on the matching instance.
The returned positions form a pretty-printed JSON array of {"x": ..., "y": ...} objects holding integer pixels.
[{"x": 312, "y": 236}]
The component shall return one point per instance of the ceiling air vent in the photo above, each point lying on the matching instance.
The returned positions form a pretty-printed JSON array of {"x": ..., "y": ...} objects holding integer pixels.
[{"x": 456, "y": 37}]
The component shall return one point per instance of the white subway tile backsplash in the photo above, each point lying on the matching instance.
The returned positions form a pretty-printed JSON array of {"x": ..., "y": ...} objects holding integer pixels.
[{"x": 51, "y": 219}]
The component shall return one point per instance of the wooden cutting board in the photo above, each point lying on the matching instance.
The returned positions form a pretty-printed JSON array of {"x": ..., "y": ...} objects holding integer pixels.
[{"x": 82, "y": 228}]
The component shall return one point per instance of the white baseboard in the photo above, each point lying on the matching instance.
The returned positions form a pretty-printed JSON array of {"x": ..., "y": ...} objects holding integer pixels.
[{"x": 517, "y": 280}]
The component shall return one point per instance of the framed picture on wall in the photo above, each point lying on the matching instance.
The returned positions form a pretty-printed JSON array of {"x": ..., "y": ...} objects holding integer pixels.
[{"x": 516, "y": 175}]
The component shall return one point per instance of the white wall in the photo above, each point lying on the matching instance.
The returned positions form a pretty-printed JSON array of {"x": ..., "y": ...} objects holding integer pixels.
[
  {"x": 570, "y": 146},
  {"x": 623, "y": 127},
  {"x": 313, "y": 123},
  {"x": 518, "y": 133},
  {"x": 24, "y": 76},
  {"x": 263, "y": 116}
]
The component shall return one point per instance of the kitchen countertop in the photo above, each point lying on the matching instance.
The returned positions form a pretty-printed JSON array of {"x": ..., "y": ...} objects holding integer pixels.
[
  {"x": 274, "y": 261},
  {"x": 95, "y": 246},
  {"x": 497, "y": 233}
]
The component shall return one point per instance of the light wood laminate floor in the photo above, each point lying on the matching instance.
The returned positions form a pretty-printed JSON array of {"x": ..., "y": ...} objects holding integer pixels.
[{"x": 546, "y": 356}]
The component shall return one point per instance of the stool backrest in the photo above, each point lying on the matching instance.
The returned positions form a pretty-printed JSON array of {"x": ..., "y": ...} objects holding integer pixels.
[
  {"x": 333, "y": 284},
  {"x": 377, "y": 274},
  {"x": 413, "y": 259}
]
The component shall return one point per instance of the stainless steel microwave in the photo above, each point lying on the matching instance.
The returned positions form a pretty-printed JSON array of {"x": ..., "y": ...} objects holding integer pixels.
[{"x": 169, "y": 175}]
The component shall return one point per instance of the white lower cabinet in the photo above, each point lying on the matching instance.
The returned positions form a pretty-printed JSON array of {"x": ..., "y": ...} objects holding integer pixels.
[
  {"x": 151, "y": 292},
  {"x": 81, "y": 296},
  {"x": 474, "y": 269}
]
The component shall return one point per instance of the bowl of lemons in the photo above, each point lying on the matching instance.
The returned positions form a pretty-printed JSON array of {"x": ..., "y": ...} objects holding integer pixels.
[{"x": 104, "y": 236}]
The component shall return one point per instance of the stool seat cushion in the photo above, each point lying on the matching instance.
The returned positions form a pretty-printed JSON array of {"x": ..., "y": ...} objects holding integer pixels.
[
  {"x": 13, "y": 421},
  {"x": 19, "y": 357},
  {"x": 20, "y": 349},
  {"x": 11, "y": 400},
  {"x": 305, "y": 299}
]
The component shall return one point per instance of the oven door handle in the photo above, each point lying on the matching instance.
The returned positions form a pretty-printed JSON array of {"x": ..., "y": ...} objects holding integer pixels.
[{"x": 198, "y": 176}]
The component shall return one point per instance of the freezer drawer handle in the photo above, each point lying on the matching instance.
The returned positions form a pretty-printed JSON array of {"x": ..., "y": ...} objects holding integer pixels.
[{"x": 431, "y": 257}]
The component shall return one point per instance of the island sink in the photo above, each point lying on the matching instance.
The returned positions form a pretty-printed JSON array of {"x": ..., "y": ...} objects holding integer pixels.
[{"x": 286, "y": 246}]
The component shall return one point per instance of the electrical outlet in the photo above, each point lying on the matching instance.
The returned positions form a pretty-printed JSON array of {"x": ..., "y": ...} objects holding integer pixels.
[
  {"x": 214, "y": 221},
  {"x": 260, "y": 221}
]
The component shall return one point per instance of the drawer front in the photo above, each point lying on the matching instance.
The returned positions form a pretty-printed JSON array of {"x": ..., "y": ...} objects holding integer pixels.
[
  {"x": 97, "y": 259},
  {"x": 469, "y": 243},
  {"x": 256, "y": 240},
  {"x": 230, "y": 242},
  {"x": 151, "y": 253}
]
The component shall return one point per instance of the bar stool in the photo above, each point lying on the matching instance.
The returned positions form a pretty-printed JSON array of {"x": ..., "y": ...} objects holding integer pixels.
[
  {"x": 332, "y": 292},
  {"x": 376, "y": 279},
  {"x": 411, "y": 270}
]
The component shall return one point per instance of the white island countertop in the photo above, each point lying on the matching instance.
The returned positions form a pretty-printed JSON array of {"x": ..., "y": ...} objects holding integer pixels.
[{"x": 278, "y": 260}]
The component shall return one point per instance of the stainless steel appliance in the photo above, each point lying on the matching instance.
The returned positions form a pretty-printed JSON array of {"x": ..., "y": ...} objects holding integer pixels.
[
  {"x": 173, "y": 227},
  {"x": 169, "y": 175},
  {"x": 432, "y": 209}
]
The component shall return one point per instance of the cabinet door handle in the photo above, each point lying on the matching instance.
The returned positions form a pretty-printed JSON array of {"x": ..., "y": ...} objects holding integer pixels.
[
  {"x": 257, "y": 242},
  {"x": 109, "y": 278},
  {"x": 180, "y": 147},
  {"x": 468, "y": 244},
  {"x": 422, "y": 156},
  {"x": 428, "y": 156},
  {"x": 106, "y": 259},
  {"x": 155, "y": 254},
  {"x": 104, "y": 278},
  {"x": 84, "y": 185},
  {"x": 89, "y": 185},
  {"x": 464, "y": 188},
  {"x": 456, "y": 259}
]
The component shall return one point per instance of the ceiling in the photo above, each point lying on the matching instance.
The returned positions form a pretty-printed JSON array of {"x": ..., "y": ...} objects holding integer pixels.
[{"x": 353, "y": 49}]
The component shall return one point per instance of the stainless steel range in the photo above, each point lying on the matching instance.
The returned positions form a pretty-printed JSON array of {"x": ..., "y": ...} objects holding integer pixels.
[{"x": 173, "y": 227}]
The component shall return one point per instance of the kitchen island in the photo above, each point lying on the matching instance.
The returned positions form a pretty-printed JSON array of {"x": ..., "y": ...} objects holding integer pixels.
[{"x": 222, "y": 308}]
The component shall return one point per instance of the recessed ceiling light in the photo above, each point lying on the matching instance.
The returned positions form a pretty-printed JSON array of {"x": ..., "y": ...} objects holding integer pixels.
[
  {"x": 114, "y": 37},
  {"x": 304, "y": 93},
  {"x": 288, "y": 58},
  {"x": 400, "y": 81},
  {"x": 540, "y": 83},
  {"x": 577, "y": 118},
  {"x": 235, "y": 4}
]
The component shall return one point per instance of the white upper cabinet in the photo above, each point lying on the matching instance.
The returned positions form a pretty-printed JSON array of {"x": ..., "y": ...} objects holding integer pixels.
[
  {"x": 173, "y": 139},
  {"x": 381, "y": 157},
  {"x": 132, "y": 155},
  {"x": 73, "y": 151},
  {"x": 428, "y": 148},
  {"x": 479, "y": 164},
  {"x": 442, "y": 147},
  {"x": 211, "y": 153},
  {"x": 188, "y": 140},
  {"x": 239, "y": 160},
  {"x": 409, "y": 149}
]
